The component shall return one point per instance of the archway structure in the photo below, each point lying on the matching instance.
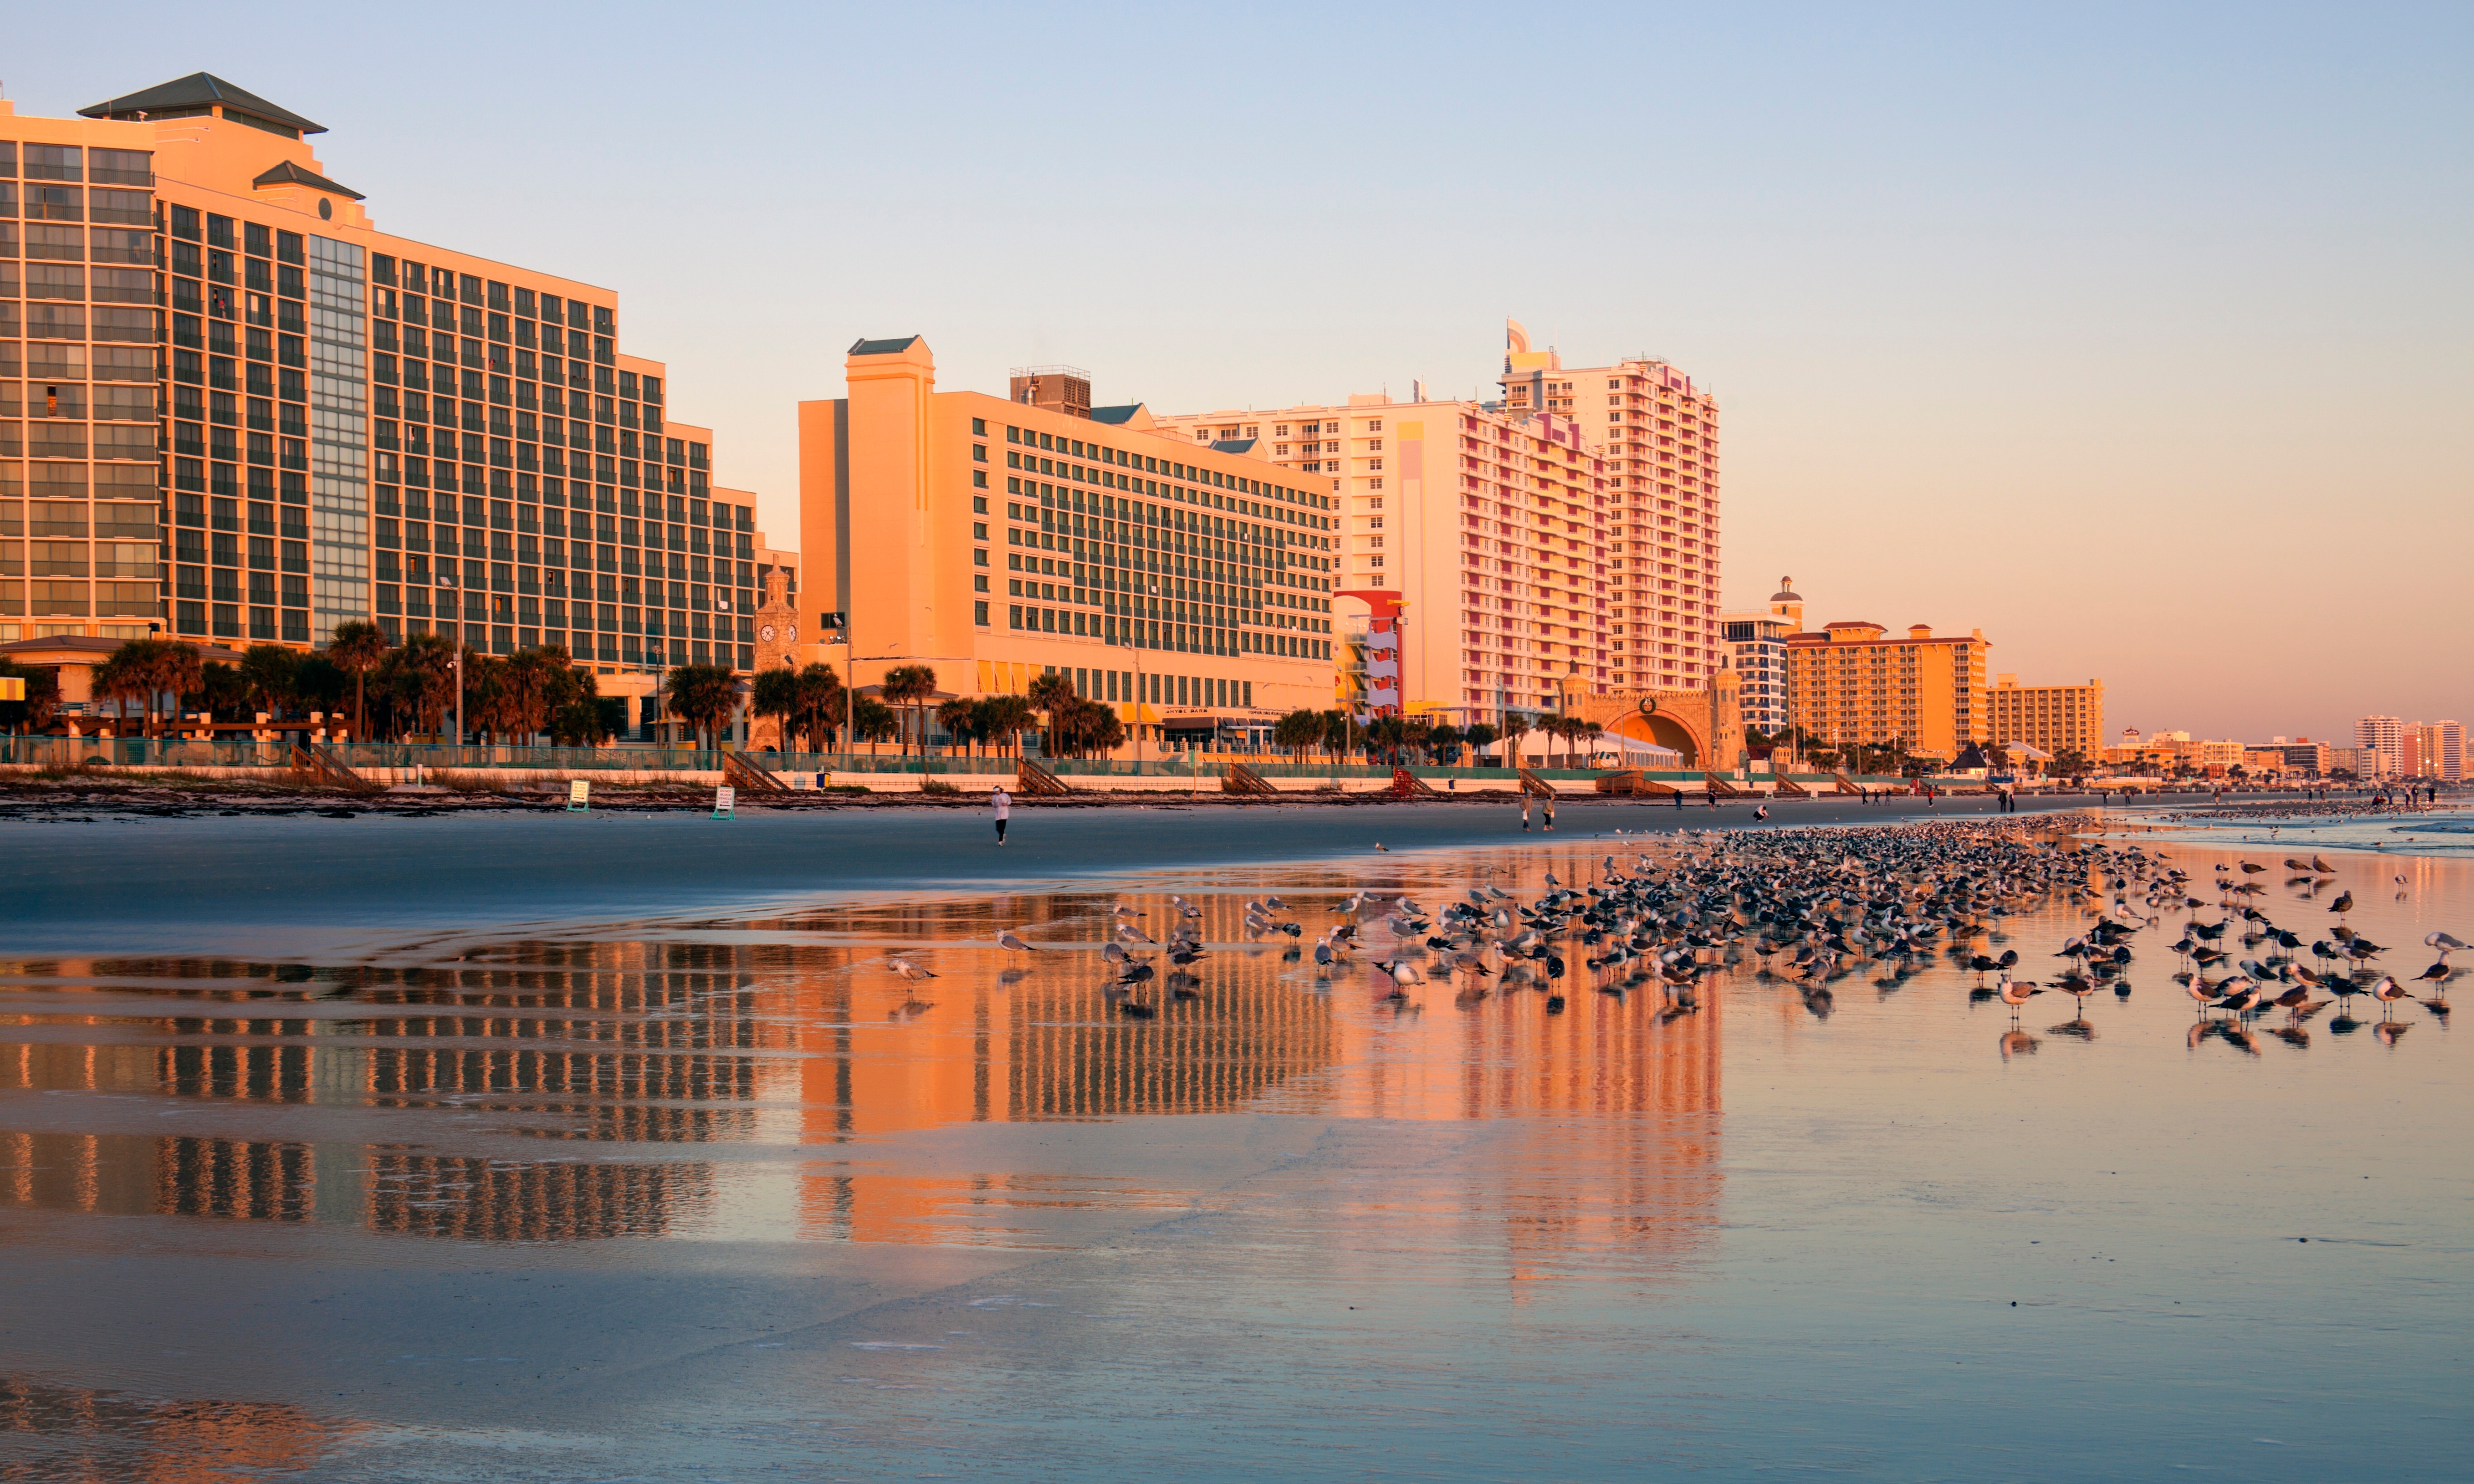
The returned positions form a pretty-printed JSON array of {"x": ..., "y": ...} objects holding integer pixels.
[{"x": 1706, "y": 725}]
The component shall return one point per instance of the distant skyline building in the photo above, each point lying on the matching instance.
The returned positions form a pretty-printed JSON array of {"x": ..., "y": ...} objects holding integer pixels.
[
  {"x": 2386, "y": 736},
  {"x": 2433, "y": 749}
]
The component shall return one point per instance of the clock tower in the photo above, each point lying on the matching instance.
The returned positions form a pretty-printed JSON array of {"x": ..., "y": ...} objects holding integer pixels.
[{"x": 777, "y": 646}]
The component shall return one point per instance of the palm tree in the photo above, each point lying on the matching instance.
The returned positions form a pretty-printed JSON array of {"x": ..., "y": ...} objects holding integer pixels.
[
  {"x": 1585, "y": 732},
  {"x": 1006, "y": 716},
  {"x": 421, "y": 675},
  {"x": 116, "y": 680},
  {"x": 1517, "y": 725},
  {"x": 1339, "y": 732},
  {"x": 1298, "y": 731},
  {"x": 357, "y": 649},
  {"x": 909, "y": 687},
  {"x": 266, "y": 671},
  {"x": 534, "y": 680},
  {"x": 1051, "y": 693},
  {"x": 775, "y": 693},
  {"x": 873, "y": 721},
  {"x": 959, "y": 718},
  {"x": 703, "y": 696},
  {"x": 1480, "y": 736},
  {"x": 823, "y": 703},
  {"x": 42, "y": 692}
]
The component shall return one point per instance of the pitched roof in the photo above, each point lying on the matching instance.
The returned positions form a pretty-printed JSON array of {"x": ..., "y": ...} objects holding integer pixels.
[
  {"x": 893, "y": 347},
  {"x": 1119, "y": 415},
  {"x": 290, "y": 174},
  {"x": 200, "y": 89},
  {"x": 1234, "y": 446}
]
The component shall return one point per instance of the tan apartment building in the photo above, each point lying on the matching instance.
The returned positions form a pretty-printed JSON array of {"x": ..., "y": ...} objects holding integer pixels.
[
  {"x": 996, "y": 540},
  {"x": 2054, "y": 718},
  {"x": 1486, "y": 531},
  {"x": 1854, "y": 683},
  {"x": 230, "y": 405},
  {"x": 1659, "y": 435}
]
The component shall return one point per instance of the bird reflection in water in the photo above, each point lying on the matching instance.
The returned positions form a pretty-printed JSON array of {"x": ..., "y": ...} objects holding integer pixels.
[{"x": 2018, "y": 1044}]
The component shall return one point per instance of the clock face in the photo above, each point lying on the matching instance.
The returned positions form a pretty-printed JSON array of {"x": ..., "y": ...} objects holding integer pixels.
[
  {"x": 765, "y": 633},
  {"x": 790, "y": 633}
]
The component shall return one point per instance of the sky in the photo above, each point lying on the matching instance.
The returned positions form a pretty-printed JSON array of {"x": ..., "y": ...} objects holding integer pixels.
[{"x": 2136, "y": 338}]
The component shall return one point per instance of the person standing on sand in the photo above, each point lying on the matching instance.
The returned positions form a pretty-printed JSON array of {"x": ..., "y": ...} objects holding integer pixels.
[
  {"x": 1000, "y": 805},
  {"x": 1550, "y": 815},
  {"x": 1524, "y": 810}
]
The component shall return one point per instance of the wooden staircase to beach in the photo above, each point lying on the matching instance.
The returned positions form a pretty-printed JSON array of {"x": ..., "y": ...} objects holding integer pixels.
[
  {"x": 319, "y": 762},
  {"x": 1032, "y": 781},
  {"x": 1240, "y": 779},
  {"x": 1408, "y": 785},
  {"x": 1720, "y": 787},
  {"x": 1634, "y": 782},
  {"x": 1535, "y": 787},
  {"x": 745, "y": 773},
  {"x": 1846, "y": 784},
  {"x": 1789, "y": 788}
]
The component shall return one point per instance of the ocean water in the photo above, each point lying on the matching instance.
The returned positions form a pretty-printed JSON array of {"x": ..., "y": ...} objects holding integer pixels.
[{"x": 714, "y": 1194}]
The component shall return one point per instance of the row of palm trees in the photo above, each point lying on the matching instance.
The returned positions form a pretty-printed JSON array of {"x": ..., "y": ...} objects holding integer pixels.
[
  {"x": 412, "y": 686},
  {"x": 813, "y": 705},
  {"x": 1399, "y": 740}
]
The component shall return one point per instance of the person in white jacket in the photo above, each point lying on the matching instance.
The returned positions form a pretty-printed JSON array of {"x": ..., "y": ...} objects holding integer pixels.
[{"x": 999, "y": 804}]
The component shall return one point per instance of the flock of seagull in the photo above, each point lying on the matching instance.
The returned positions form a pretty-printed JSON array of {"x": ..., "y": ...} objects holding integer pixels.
[{"x": 1811, "y": 906}]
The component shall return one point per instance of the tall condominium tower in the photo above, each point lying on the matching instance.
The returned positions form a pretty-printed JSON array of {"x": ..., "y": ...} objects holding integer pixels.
[
  {"x": 232, "y": 406},
  {"x": 1658, "y": 434},
  {"x": 1482, "y": 532}
]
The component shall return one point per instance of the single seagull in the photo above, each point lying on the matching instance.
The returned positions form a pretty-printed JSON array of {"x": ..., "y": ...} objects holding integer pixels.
[
  {"x": 1009, "y": 940},
  {"x": 909, "y": 970}
]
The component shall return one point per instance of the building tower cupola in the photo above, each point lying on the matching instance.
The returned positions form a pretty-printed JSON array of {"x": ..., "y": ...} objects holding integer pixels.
[{"x": 1786, "y": 604}]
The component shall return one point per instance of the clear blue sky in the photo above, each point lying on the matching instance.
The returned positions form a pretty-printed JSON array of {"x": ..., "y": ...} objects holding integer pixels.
[{"x": 2138, "y": 337}]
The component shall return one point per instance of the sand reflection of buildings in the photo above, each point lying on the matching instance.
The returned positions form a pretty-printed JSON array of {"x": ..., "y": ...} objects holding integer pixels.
[
  {"x": 607, "y": 1043},
  {"x": 1636, "y": 1165}
]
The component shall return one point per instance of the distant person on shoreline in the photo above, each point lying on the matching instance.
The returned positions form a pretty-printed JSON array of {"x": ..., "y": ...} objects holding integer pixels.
[
  {"x": 1524, "y": 811},
  {"x": 1000, "y": 805},
  {"x": 1550, "y": 817}
]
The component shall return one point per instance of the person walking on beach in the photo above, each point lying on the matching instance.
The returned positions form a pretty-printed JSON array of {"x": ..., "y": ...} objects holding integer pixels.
[
  {"x": 1549, "y": 807},
  {"x": 1524, "y": 811},
  {"x": 1000, "y": 805}
]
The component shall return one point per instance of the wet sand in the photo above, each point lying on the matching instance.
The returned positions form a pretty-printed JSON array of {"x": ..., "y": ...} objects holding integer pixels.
[
  {"x": 276, "y": 886},
  {"x": 298, "y": 1183}
]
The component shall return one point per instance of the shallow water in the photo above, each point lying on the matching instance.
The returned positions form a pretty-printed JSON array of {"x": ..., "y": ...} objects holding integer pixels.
[{"x": 725, "y": 1199}]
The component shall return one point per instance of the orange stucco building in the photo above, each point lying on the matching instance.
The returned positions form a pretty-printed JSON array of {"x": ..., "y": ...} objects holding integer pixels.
[{"x": 996, "y": 540}]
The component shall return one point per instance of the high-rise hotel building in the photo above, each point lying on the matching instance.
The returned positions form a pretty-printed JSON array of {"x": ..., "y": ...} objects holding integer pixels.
[
  {"x": 1485, "y": 531},
  {"x": 1659, "y": 435},
  {"x": 230, "y": 405},
  {"x": 998, "y": 540}
]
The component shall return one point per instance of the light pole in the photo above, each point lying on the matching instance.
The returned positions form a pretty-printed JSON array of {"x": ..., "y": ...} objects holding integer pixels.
[{"x": 459, "y": 693}]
